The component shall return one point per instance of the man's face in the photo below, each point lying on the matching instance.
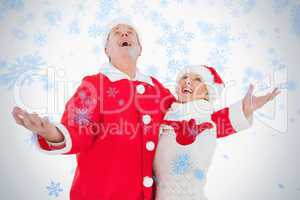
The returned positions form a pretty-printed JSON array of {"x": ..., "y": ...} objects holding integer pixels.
[
  {"x": 191, "y": 87},
  {"x": 122, "y": 42}
]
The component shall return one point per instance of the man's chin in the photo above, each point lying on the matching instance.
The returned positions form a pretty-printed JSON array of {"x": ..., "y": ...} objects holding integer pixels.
[
  {"x": 133, "y": 53},
  {"x": 126, "y": 55}
]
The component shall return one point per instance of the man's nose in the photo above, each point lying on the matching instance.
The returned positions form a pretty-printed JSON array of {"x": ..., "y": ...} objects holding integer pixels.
[{"x": 124, "y": 34}]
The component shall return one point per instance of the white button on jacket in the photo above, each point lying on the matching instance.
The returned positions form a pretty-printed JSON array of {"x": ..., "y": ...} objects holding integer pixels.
[
  {"x": 150, "y": 146},
  {"x": 146, "y": 119},
  {"x": 140, "y": 89},
  {"x": 148, "y": 181}
]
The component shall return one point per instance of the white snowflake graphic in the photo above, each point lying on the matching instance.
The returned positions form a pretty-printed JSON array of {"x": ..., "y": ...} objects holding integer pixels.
[
  {"x": 112, "y": 92},
  {"x": 280, "y": 5},
  {"x": 217, "y": 58},
  {"x": 199, "y": 174},
  {"x": 81, "y": 116},
  {"x": 96, "y": 31},
  {"x": 181, "y": 164},
  {"x": 53, "y": 17},
  {"x": 12, "y": 4},
  {"x": 54, "y": 189},
  {"x": 175, "y": 39},
  {"x": 86, "y": 100},
  {"x": 295, "y": 20},
  {"x": 107, "y": 8},
  {"x": 238, "y": 8},
  {"x": 74, "y": 27},
  {"x": 19, "y": 34},
  {"x": 31, "y": 140},
  {"x": 121, "y": 102},
  {"x": 40, "y": 39},
  {"x": 21, "y": 65}
]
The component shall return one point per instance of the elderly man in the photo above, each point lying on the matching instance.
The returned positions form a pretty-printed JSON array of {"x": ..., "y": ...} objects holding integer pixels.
[{"x": 112, "y": 123}]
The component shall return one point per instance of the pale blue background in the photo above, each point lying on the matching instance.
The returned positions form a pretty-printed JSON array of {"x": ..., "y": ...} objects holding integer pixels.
[{"x": 46, "y": 47}]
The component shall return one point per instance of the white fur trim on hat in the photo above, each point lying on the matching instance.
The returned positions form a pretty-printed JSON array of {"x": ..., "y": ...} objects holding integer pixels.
[{"x": 196, "y": 69}]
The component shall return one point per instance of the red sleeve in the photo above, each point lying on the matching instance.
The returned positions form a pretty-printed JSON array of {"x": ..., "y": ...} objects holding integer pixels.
[
  {"x": 166, "y": 97},
  {"x": 231, "y": 119},
  {"x": 222, "y": 122},
  {"x": 187, "y": 131},
  {"x": 79, "y": 119}
]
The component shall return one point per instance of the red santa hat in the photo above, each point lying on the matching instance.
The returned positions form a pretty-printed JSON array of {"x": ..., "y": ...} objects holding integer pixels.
[{"x": 209, "y": 75}]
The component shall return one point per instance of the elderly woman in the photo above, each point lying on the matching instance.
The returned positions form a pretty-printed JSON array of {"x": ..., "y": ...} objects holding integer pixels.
[{"x": 190, "y": 130}]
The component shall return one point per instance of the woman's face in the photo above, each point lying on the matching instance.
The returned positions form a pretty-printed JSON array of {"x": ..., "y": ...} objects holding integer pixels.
[{"x": 191, "y": 87}]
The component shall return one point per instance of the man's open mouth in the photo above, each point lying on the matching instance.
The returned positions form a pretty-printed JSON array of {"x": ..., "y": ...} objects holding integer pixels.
[{"x": 125, "y": 44}]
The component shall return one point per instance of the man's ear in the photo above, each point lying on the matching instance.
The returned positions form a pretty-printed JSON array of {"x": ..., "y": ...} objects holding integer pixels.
[
  {"x": 140, "y": 50},
  {"x": 105, "y": 50}
]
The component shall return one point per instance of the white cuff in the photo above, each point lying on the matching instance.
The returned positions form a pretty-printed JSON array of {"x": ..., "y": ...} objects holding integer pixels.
[
  {"x": 67, "y": 141},
  {"x": 56, "y": 144},
  {"x": 166, "y": 129},
  {"x": 237, "y": 117}
]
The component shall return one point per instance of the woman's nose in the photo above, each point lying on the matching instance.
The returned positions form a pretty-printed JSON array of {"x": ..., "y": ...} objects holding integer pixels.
[{"x": 188, "y": 81}]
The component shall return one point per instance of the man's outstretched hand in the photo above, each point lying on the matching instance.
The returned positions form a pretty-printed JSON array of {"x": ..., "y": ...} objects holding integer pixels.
[
  {"x": 38, "y": 125},
  {"x": 251, "y": 103}
]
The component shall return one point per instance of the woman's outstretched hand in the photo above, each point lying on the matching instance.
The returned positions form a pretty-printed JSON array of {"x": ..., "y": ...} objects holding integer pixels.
[
  {"x": 38, "y": 125},
  {"x": 251, "y": 102}
]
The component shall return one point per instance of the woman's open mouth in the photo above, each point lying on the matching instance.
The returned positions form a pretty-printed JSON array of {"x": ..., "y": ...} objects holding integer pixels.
[{"x": 187, "y": 91}]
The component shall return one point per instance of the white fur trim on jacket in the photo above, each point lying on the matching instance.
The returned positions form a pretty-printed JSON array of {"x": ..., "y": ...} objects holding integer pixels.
[
  {"x": 237, "y": 117},
  {"x": 67, "y": 140}
]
